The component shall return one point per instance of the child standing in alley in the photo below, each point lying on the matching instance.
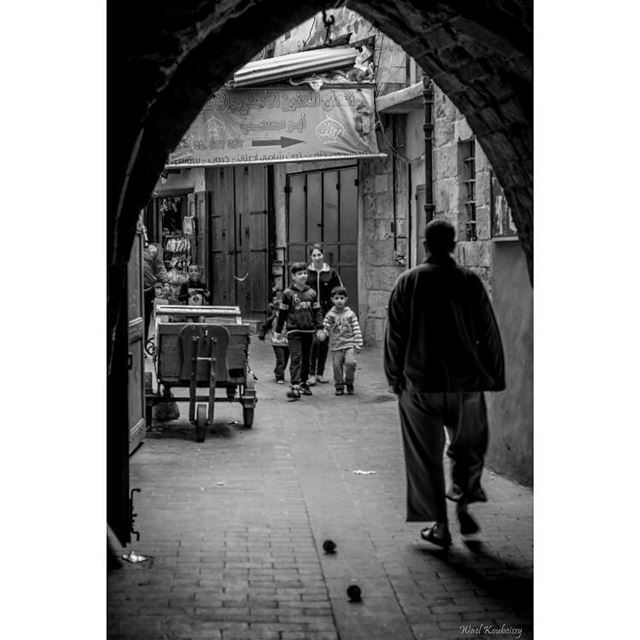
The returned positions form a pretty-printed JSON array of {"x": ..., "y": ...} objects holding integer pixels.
[
  {"x": 194, "y": 291},
  {"x": 301, "y": 312},
  {"x": 279, "y": 342},
  {"x": 345, "y": 340}
]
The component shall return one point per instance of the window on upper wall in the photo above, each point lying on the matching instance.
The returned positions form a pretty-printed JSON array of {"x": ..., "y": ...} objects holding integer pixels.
[
  {"x": 467, "y": 173},
  {"x": 501, "y": 221},
  {"x": 414, "y": 71}
]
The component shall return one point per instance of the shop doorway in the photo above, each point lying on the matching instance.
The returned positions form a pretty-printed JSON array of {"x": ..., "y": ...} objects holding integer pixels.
[
  {"x": 322, "y": 206},
  {"x": 239, "y": 238},
  {"x": 169, "y": 219},
  {"x": 164, "y": 215}
]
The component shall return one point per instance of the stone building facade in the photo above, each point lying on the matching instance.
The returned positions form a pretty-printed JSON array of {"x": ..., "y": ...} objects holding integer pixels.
[
  {"x": 391, "y": 219},
  {"x": 390, "y": 208}
]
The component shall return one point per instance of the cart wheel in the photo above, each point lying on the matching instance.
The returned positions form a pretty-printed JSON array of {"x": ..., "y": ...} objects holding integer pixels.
[
  {"x": 247, "y": 416},
  {"x": 201, "y": 422}
]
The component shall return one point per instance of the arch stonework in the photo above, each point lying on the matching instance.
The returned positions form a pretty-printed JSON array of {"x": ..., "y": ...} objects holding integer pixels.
[{"x": 166, "y": 59}]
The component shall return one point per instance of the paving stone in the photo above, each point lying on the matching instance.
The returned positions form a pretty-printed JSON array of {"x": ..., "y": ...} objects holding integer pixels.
[{"x": 245, "y": 560}]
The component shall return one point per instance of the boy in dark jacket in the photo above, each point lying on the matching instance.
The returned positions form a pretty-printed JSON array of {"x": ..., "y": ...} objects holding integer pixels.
[{"x": 301, "y": 311}]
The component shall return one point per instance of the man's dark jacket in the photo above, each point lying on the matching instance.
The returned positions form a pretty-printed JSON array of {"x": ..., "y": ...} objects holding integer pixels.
[{"x": 442, "y": 335}]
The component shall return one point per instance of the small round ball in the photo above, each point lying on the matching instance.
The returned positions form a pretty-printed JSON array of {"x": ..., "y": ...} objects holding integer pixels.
[
  {"x": 354, "y": 593},
  {"x": 329, "y": 546}
]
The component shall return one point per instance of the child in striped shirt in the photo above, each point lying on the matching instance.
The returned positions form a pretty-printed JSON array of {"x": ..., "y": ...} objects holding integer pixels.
[{"x": 345, "y": 340}]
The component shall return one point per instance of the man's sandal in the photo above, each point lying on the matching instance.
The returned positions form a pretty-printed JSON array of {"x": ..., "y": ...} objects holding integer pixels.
[{"x": 429, "y": 534}]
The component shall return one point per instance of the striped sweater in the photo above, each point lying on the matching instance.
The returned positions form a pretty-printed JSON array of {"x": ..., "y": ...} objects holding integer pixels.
[{"x": 343, "y": 329}]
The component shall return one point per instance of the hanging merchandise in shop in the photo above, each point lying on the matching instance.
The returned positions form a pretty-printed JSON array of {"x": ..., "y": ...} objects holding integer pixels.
[
  {"x": 284, "y": 124},
  {"x": 176, "y": 240}
]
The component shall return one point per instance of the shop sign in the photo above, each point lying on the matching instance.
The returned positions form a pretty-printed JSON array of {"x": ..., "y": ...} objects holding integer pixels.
[{"x": 288, "y": 124}]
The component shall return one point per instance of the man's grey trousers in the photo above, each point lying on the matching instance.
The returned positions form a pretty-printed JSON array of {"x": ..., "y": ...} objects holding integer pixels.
[{"x": 422, "y": 417}]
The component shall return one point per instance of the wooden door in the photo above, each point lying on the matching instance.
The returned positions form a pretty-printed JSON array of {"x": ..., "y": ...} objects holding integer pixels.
[
  {"x": 240, "y": 239},
  {"x": 252, "y": 268},
  {"x": 322, "y": 206},
  {"x": 296, "y": 219},
  {"x": 135, "y": 308},
  {"x": 222, "y": 238}
]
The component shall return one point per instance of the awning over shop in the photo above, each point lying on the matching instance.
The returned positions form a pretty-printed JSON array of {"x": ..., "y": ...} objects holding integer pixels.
[
  {"x": 403, "y": 100},
  {"x": 281, "y": 124},
  {"x": 294, "y": 65}
]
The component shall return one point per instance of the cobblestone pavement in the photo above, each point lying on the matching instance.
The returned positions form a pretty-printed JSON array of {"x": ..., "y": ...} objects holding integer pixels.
[{"x": 234, "y": 527}]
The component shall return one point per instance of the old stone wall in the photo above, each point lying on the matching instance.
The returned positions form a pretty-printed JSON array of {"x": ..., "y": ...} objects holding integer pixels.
[
  {"x": 385, "y": 226},
  {"x": 450, "y": 131},
  {"x": 511, "y": 411}
]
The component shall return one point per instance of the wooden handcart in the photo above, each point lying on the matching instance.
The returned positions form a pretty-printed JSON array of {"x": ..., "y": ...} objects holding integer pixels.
[{"x": 204, "y": 348}]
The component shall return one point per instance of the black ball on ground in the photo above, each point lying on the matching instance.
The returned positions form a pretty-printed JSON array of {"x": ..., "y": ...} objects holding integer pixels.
[
  {"x": 329, "y": 546},
  {"x": 354, "y": 593}
]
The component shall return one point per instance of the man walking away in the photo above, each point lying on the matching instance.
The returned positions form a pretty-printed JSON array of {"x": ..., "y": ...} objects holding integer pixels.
[{"x": 442, "y": 350}]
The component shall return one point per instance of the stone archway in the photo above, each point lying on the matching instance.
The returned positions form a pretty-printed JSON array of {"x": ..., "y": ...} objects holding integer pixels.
[{"x": 165, "y": 59}]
